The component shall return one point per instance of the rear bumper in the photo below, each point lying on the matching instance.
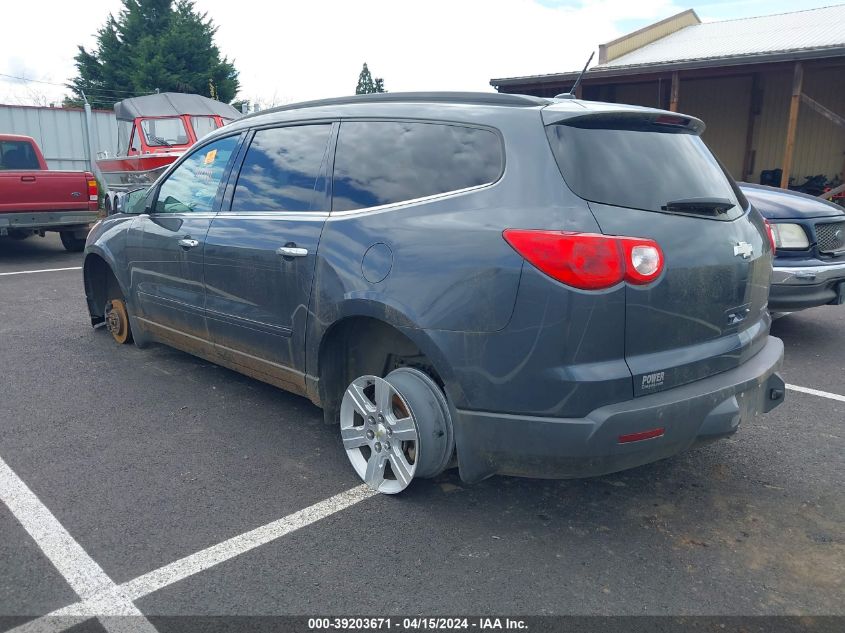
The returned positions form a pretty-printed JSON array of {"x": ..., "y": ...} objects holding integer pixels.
[
  {"x": 527, "y": 446},
  {"x": 46, "y": 219},
  {"x": 800, "y": 287}
]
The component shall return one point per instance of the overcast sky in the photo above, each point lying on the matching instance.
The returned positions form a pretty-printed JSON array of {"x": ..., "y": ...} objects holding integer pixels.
[{"x": 290, "y": 50}]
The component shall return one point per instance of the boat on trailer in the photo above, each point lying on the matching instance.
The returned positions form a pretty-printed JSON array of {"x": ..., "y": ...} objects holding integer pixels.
[{"x": 155, "y": 130}]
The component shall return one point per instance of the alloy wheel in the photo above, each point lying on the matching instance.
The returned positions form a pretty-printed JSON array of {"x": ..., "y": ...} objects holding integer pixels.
[{"x": 379, "y": 434}]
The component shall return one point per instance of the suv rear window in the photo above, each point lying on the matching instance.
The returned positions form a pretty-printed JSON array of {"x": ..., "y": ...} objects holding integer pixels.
[
  {"x": 638, "y": 164},
  {"x": 384, "y": 162}
]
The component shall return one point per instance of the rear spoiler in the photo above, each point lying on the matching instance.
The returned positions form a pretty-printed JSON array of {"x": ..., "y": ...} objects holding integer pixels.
[{"x": 613, "y": 117}]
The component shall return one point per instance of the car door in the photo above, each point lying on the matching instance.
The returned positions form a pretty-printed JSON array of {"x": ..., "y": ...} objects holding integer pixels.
[
  {"x": 166, "y": 266},
  {"x": 260, "y": 252}
]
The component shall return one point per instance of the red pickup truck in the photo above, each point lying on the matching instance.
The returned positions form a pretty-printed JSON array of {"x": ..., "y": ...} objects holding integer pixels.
[{"x": 34, "y": 200}]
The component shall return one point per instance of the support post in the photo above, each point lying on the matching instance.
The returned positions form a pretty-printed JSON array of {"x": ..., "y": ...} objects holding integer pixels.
[
  {"x": 792, "y": 124},
  {"x": 674, "y": 95},
  {"x": 91, "y": 145}
]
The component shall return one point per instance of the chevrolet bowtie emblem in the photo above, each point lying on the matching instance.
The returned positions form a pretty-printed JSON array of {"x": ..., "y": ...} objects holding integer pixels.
[{"x": 744, "y": 249}]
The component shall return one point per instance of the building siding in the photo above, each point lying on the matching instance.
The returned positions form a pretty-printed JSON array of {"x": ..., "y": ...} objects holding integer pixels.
[
  {"x": 60, "y": 133},
  {"x": 723, "y": 104},
  {"x": 646, "y": 94},
  {"x": 819, "y": 143}
]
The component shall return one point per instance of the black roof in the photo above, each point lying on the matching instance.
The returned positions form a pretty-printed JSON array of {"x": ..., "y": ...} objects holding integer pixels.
[
  {"x": 468, "y": 98},
  {"x": 172, "y": 104}
]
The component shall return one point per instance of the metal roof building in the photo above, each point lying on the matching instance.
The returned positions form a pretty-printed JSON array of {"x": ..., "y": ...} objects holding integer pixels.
[{"x": 770, "y": 88}]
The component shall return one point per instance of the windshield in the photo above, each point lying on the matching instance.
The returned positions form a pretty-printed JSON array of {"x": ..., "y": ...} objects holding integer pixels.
[
  {"x": 165, "y": 132},
  {"x": 203, "y": 125},
  {"x": 641, "y": 167}
]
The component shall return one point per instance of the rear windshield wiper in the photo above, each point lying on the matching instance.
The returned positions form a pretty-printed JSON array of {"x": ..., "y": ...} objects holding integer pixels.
[{"x": 701, "y": 206}]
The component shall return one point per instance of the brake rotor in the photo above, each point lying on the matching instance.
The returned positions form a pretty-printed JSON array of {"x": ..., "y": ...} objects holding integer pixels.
[{"x": 117, "y": 320}]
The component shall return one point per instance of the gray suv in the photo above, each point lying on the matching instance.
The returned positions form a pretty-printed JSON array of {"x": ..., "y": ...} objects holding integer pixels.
[{"x": 509, "y": 284}]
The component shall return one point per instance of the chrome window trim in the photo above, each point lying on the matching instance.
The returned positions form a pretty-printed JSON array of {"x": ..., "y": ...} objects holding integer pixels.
[
  {"x": 272, "y": 215},
  {"x": 397, "y": 205},
  {"x": 199, "y": 215}
]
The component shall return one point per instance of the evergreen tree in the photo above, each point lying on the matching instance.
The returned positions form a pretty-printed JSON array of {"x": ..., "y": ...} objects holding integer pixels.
[
  {"x": 153, "y": 45},
  {"x": 366, "y": 83}
]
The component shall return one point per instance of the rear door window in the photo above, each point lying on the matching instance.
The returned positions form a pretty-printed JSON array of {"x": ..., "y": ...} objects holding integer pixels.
[
  {"x": 385, "y": 162},
  {"x": 281, "y": 169},
  {"x": 639, "y": 164}
]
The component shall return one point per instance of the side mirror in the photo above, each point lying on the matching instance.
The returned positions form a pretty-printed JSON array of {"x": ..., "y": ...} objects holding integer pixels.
[{"x": 129, "y": 201}]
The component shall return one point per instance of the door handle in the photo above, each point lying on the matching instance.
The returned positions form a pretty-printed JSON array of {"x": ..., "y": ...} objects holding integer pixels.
[
  {"x": 187, "y": 242},
  {"x": 291, "y": 251},
  {"x": 27, "y": 178}
]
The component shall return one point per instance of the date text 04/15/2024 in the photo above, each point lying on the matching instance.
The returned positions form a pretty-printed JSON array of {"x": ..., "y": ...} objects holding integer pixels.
[{"x": 416, "y": 623}]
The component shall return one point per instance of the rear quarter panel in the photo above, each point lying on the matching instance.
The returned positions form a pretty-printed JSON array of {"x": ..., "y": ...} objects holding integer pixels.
[{"x": 454, "y": 285}]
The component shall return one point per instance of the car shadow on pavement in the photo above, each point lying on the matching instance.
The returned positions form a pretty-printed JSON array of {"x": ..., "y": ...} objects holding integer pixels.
[
  {"x": 39, "y": 252},
  {"x": 809, "y": 328}
]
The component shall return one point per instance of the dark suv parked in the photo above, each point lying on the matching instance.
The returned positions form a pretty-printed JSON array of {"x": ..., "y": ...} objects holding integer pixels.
[{"x": 525, "y": 286}]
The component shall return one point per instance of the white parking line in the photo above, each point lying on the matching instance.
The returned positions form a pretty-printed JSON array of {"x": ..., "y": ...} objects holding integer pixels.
[
  {"x": 237, "y": 545},
  {"x": 193, "y": 564},
  {"x": 81, "y": 572},
  {"x": 816, "y": 392},
  {"x": 43, "y": 270}
]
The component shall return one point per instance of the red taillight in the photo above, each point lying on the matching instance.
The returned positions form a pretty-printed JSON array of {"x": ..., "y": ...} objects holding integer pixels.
[
  {"x": 92, "y": 187},
  {"x": 771, "y": 235},
  {"x": 642, "y": 435},
  {"x": 587, "y": 260}
]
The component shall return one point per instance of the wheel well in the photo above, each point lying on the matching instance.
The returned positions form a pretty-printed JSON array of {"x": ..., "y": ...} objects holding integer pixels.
[
  {"x": 100, "y": 286},
  {"x": 358, "y": 346}
]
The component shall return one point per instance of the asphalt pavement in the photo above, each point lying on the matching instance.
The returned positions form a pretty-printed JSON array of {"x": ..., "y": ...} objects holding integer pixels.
[{"x": 198, "y": 491}]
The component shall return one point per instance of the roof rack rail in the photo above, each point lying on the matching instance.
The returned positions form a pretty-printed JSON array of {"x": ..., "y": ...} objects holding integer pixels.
[{"x": 470, "y": 98}]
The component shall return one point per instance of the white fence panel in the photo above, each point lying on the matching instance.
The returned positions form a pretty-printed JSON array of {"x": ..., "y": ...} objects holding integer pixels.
[{"x": 60, "y": 132}]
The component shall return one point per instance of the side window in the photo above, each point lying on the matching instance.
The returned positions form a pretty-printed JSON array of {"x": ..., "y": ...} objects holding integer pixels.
[
  {"x": 203, "y": 125},
  {"x": 135, "y": 144},
  {"x": 383, "y": 162},
  {"x": 124, "y": 130},
  {"x": 281, "y": 169},
  {"x": 192, "y": 186}
]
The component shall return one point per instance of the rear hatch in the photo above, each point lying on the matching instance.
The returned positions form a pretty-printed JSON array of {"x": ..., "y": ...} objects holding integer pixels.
[{"x": 648, "y": 174}]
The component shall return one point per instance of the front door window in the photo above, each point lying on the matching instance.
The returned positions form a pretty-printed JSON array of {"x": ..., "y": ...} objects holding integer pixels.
[{"x": 192, "y": 186}]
